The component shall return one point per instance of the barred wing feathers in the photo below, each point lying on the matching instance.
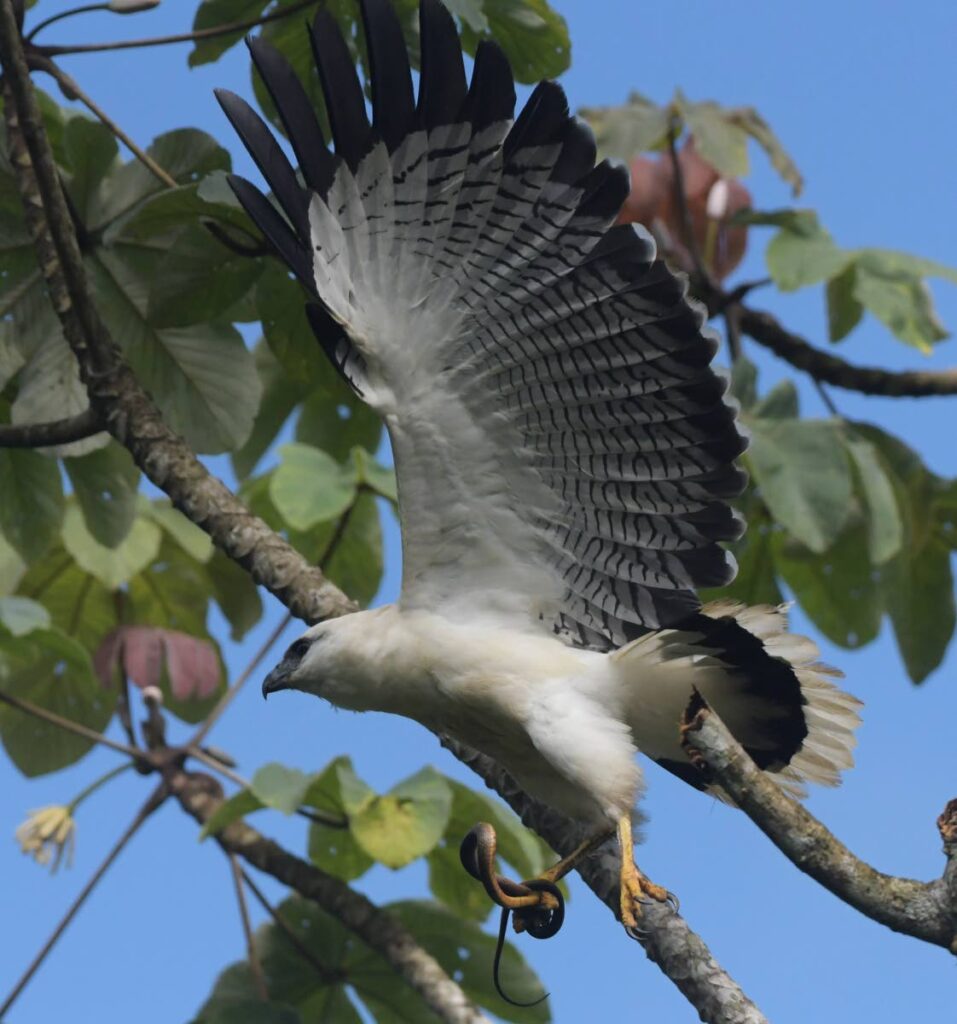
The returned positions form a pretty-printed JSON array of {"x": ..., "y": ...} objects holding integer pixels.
[{"x": 562, "y": 446}]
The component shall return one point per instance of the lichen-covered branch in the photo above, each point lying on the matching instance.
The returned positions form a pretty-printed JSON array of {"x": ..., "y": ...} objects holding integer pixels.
[
  {"x": 200, "y": 795},
  {"x": 925, "y": 910},
  {"x": 668, "y": 941},
  {"x": 116, "y": 397}
]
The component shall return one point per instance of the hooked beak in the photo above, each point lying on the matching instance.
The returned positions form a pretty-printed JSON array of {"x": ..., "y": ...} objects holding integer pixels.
[{"x": 278, "y": 679}]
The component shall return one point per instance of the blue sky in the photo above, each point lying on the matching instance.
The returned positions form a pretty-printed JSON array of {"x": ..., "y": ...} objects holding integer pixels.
[{"x": 863, "y": 98}]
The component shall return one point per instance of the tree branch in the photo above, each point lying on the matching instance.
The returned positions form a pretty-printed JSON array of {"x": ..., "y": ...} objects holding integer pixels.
[
  {"x": 115, "y": 395},
  {"x": 43, "y": 435},
  {"x": 923, "y": 910},
  {"x": 200, "y": 795},
  {"x": 155, "y": 799},
  {"x": 668, "y": 941},
  {"x": 183, "y": 37},
  {"x": 825, "y": 368}
]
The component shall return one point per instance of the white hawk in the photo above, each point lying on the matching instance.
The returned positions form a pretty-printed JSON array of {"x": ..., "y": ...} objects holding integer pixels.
[{"x": 563, "y": 450}]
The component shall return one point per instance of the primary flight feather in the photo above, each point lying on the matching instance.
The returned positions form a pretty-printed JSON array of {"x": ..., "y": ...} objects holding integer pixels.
[{"x": 563, "y": 451}]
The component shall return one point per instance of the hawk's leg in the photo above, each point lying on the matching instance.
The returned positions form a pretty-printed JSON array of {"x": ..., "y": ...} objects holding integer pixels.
[{"x": 635, "y": 887}]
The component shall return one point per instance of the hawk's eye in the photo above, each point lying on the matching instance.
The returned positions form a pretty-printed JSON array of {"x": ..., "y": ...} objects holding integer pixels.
[{"x": 298, "y": 649}]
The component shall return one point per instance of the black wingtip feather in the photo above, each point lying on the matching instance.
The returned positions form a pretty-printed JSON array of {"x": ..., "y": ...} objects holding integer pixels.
[
  {"x": 541, "y": 121},
  {"x": 345, "y": 103},
  {"x": 491, "y": 96},
  {"x": 579, "y": 151},
  {"x": 393, "y": 102},
  {"x": 317, "y": 164},
  {"x": 270, "y": 159},
  {"x": 267, "y": 218},
  {"x": 442, "y": 83}
]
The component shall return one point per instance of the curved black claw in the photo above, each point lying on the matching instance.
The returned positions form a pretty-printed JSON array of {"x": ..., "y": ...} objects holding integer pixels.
[{"x": 670, "y": 898}]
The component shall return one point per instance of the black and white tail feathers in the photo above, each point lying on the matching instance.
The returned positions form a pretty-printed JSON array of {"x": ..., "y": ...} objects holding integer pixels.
[{"x": 766, "y": 684}]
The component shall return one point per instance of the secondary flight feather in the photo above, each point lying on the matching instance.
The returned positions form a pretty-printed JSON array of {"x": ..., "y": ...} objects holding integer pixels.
[{"x": 563, "y": 450}]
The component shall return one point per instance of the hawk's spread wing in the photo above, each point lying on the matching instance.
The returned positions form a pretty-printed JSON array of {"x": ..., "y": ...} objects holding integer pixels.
[{"x": 561, "y": 444}]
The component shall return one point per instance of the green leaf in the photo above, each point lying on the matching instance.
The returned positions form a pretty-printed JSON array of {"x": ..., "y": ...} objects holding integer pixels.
[
  {"x": 334, "y": 419},
  {"x": 237, "y": 806},
  {"x": 371, "y": 473},
  {"x": 92, "y": 154},
  {"x": 802, "y": 472},
  {"x": 533, "y": 36},
  {"x": 902, "y": 302},
  {"x": 49, "y": 386},
  {"x": 280, "y": 787},
  {"x": 754, "y": 124},
  {"x": 885, "y": 528},
  {"x": 635, "y": 127},
  {"x": 844, "y": 311},
  {"x": 181, "y": 367},
  {"x": 251, "y": 1011},
  {"x": 194, "y": 541},
  {"x": 780, "y": 403},
  {"x": 466, "y": 954},
  {"x": 184, "y": 205},
  {"x": 54, "y": 672},
  {"x": 744, "y": 382},
  {"x": 31, "y": 501},
  {"x": 198, "y": 280},
  {"x": 889, "y": 262},
  {"x": 212, "y": 13},
  {"x": 187, "y": 154},
  {"x": 405, "y": 823},
  {"x": 279, "y": 397},
  {"x": 335, "y": 849},
  {"x": 115, "y": 566},
  {"x": 280, "y": 303},
  {"x": 798, "y": 222},
  {"x": 918, "y": 588},
  {"x": 310, "y": 487},
  {"x": 105, "y": 483},
  {"x": 12, "y": 567},
  {"x": 836, "y": 589},
  {"x": 796, "y": 260},
  {"x": 718, "y": 138},
  {"x": 20, "y": 615}
]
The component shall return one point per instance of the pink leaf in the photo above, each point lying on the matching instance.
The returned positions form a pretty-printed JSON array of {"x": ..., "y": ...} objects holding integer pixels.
[
  {"x": 143, "y": 655},
  {"x": 192, "y": 665}
]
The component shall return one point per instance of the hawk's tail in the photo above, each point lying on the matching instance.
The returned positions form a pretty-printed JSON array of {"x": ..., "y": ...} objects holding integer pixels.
[{"x": 765, "y": 683}]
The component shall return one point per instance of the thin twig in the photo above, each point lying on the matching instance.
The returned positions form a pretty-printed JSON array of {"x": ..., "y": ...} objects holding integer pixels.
[
  {"x": 60, "y": 15},
  {"x": 73, "y": 91},
  {"x": 155, "y": 799},
  {"x": 43, "y": 435},
  {"x": 326, "y": 974},
  {"x": 230, "y": 695},
  {"x": 196, "y": 35},
  {"x": 27, "y": 707},
  {"x": 255, "y": 967},
  {"x": 733, "y": 332}
]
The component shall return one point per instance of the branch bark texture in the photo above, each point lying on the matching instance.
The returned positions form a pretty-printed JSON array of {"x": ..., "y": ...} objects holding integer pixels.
[
  {"x": 924, "y": 910},
  {"x": 200, "y": 795}
]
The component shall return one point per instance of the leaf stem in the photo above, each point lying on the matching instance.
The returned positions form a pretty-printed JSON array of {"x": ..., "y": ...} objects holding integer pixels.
[
  {"x": 41, "y": 435},
  {"x": 29, "y": 708},
  {"x": 228, "y": 28},
  {"x": 85, "y": 9},
  {"x": 326, "y": 974},
  {"x": 155, "y": 799},
  {"x": 96, "y": 784},
  {"x": 255, "y": 967},
  {"x": 73, "y": 91}
]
